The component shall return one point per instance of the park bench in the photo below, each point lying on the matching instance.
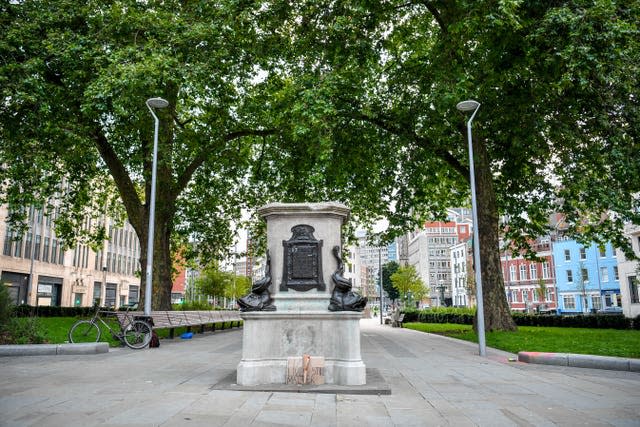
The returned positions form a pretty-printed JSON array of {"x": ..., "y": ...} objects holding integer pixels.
[{"x": 189, "y": 319}]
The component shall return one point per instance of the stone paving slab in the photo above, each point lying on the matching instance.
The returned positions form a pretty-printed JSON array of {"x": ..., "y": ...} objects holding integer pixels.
[
  {"x": 433, "y": 381},
  {"x": 376, "y": 385}
]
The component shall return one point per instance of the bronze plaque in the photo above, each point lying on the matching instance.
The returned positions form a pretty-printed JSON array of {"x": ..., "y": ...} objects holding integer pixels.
[{"x": 302, "y": 260}]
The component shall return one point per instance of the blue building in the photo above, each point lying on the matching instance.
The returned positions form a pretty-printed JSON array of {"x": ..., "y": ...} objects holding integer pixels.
[
  {"x": 392, "y": 252},
  {"x": 586, "y": 277}
]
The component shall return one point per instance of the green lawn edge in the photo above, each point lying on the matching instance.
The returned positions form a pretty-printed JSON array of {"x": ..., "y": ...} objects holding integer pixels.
[{"x": 598, "y": 342}]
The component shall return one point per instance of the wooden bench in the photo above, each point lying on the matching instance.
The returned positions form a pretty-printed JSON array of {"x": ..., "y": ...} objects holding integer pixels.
[{"x": 189, "y": 319}]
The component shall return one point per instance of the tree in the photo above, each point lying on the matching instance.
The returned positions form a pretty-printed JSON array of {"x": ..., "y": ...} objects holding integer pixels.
[
  {"x": 388, "y": 270},
  {"x": 216, "y": 283},
  {"x": 408, "y": 283},
  {"x": 542, "y": 290},
  {"x": 75, "y": 78},
  {"x": 237, "y": 286},
  {"x": 369, "y": 92}
]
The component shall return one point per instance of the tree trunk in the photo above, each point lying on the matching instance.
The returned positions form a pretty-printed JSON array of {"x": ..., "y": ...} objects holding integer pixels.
[
  {"x": 162, "y": 265},
  {"x": 497, "y": 315}
]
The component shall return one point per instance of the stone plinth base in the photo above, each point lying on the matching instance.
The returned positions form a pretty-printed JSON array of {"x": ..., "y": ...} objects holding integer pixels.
[{"x": 269, "y": 338}]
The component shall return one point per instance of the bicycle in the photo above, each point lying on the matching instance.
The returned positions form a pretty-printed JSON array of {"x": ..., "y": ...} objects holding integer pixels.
[{"x": 134, "y": 332}]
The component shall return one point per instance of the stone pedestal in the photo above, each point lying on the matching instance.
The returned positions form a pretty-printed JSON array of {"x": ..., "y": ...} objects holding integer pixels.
[
  {"x": 302, "y": 323},
  {"x": 271, "y": 337}
]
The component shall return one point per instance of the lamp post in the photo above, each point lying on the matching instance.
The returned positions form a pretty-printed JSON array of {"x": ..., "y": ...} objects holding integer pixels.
[
  {"x": 467, "y": 107},
  {"x": 151, "y": 104},
  {"x": 380, "y": 279}
]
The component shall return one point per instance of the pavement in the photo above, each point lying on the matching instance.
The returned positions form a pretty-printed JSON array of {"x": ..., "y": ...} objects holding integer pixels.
[{"x": 432, "y": 381}]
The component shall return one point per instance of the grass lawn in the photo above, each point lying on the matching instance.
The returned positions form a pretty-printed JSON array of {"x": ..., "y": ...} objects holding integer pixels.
[
  {"x": 602, "y": 342},
  {"x": 55, "y": 330}
]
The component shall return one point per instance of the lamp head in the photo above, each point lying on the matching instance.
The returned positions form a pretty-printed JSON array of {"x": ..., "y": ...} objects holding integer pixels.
[
  {"x": 157, "y": 103},
  {"x": 468, "y": 106}
]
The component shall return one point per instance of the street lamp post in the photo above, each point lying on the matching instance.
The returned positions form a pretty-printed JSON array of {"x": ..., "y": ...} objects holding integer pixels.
[
  {"x": 467, "y": 107},
  {"x": 380, "y": 279},
  {"x": 152, "y": 103}
]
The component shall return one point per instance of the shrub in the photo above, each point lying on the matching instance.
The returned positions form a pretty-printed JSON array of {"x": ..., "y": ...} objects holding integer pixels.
[
  {"x": 6, "y": 307},
  {"x": 464, "y": 316},
  {"x": 25, "y": 330},
  {"x": 192, "y": 305},
  {"x": 52, "y": 311},
  {"x": 458, "y": 315}
]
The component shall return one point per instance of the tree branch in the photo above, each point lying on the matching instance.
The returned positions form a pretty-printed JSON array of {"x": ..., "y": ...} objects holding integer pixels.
[
  {"x": 443, "y": 154},
  {"x": 198, "y": 160},
  {"x": 132, "y": 202},
  {"x": 436, "y": 15}
]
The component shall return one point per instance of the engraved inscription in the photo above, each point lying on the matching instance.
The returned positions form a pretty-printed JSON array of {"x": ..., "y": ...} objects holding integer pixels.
[{"x": 303, "y": 262}]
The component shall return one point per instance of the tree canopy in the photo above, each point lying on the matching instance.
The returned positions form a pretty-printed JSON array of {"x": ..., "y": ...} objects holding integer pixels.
[
  {"x": 370, "y": 91},
  {"x": 347, "y": 101},
  {"x": 408, "y": 283},
  {"x": 74, "y": 79}
]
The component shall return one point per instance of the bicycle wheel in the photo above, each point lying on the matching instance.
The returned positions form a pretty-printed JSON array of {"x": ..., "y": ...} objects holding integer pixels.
[
  {"x": 84, "y": 331},
  {"x": 138, "y": 334}
]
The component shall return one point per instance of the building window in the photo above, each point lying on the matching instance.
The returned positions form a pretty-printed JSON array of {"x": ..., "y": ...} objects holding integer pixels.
[
  {"x": 596, "y": 302},
  {"x": 27, "y": 247},
  {"x": 533, "y": 272},
  {"x": 604, "y": 274},
  {"x": 569, "y": 302},
  {"x": 17, "y": 249},
  {"x": 633, "y": 290},
  {"x": 585, "y": 275},
  {"x": 36, "y": 248},
  {"x": 569, "y": 276},
  {"x": 97, "y": 287},
  {"x": 603, "y": 252},
  {"x": 110, "y": 295},
  {"x": 523, "y": 272},
  {"x": 45, "y": 252},
  {"x": 545, "y": 270},
  {"x": 583, "y": 253},
  {"x": 615, "y": 273},
  {"x": 567, "y": 255},
  {"x": 512, "y": 273},
  {"x": 54, "y": 251},
  {"x": 7, "y": 243}
]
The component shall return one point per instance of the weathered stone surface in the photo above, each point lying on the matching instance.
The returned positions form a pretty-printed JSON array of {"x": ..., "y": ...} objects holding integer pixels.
[
  {"x": 269, "y": 338},
  {"x": 300, "y": 238}
]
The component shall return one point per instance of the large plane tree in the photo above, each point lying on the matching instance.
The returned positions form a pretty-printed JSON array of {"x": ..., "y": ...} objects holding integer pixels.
[
  {"x": 74, "y": 78},
  {"x": 370, "y": 92}
]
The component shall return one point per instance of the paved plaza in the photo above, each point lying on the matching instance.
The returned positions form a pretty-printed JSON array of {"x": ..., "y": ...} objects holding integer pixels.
[{"x": 434, "y": 381}]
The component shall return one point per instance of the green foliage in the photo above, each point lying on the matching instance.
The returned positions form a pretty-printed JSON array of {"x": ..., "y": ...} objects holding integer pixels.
[
  {"x": 408, "y": 283},
  {"x": 457, "y": 315},
  {"x": 216, "y": 283},
  {"x": 388, "y": 270},
  {"x": 464, "y": 316},
  {"x": 366, "y": 98},
  {"x": 53, "y": 311},
  {"x": 6, "y": 306},
  {"x": 192, "y": 306},
  {"x": 74, "y": 79},
  {"x": 22, "y": 330},
  {"x": 601, "y": 342}
]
